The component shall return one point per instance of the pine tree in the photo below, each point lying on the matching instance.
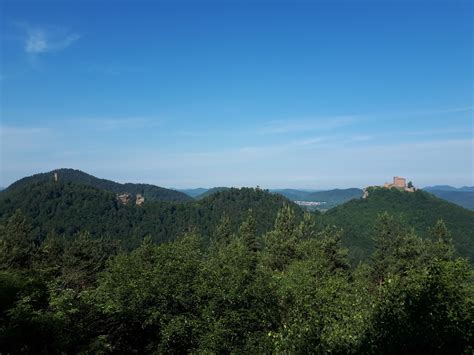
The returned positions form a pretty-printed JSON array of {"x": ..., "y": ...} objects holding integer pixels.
[
  {"x": 17, "y": 243},
  {"x": 248, "y": 233},
  {"x": 223, "y": 232}
]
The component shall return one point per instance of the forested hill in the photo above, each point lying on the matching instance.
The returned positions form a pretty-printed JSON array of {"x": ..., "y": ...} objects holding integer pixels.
[
  {"x": 419, "y": 210},
  {"x": 211, "y": 192},
  {"x": 67, "y": 208},
  {"x": 150, "y": 192}
]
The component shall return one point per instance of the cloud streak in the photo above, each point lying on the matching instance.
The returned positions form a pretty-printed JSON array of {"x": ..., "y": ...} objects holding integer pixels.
[
  {"x": 314, "y": 124},
  {"x": 41, "y": 40}
]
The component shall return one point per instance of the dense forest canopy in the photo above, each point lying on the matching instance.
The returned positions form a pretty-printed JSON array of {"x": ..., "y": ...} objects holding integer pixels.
[
  {"x": 289, "y": 290},
  {"x": 150, "y": 192},
  {"x": 419, "y": 210},
  {"x": 67, "y": 208},
  {"x": 239, "y": 271}
]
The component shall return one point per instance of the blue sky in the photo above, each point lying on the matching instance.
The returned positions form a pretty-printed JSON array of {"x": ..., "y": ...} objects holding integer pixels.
[{"x": 278, "y": 94}]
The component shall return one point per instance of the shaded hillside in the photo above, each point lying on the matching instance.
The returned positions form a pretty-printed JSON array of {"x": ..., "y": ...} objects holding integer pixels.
[
  {"x": 237, "y": 202},
  {"x": 459, "y": 197},
  {"x": 211, "y": 192},
  {"x": 462, "y": 196},
  {"x": 419, "y": 210},
  {"x": 193, "y": 192},
  {"x": 67, "y": 208},
  {"x": 293, "y": 194},
  {"x": 150, "y": 192}
]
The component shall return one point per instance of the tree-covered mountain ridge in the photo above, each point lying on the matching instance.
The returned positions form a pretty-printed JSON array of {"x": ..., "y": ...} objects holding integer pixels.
[
  {"x": 290, "y": 290},
  {"x": 148, "y": 191},
  {"x": 67, "y": 208},
  {"x": 420, "y": 210}
]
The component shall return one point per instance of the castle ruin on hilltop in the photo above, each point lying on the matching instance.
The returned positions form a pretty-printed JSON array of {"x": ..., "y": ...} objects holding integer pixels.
[{"x": 398, "y": 183}]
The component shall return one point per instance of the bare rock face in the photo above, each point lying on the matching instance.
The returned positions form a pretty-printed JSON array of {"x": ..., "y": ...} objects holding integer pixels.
[
  {"x": 366, "y": 193},
  {"x": 124, "y": 198},
  {"x": 139, "y": 200}
]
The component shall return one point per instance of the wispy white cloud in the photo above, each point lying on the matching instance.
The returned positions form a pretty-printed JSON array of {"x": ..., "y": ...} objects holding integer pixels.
[
  {"x": 306, "y": 125},
  {"x": 45, "y": 39}
]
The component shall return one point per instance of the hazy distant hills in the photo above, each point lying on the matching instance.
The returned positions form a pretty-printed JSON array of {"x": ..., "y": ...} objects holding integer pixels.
[
  {"x": 419, "y": 210},
  {"x": 463, "y": 196},
  {"x": 193, "y": 192},
  {"x": 150, "y": 192},
  {"x": 449, "y": 188},
  {"x": 330, "y": 198},
  {"x": 294, "y": 194}
]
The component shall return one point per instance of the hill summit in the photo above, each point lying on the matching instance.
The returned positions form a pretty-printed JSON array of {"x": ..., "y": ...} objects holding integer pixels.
[
  {"x": 146, "y": 191},
  {"x": 419, "y": 210}
]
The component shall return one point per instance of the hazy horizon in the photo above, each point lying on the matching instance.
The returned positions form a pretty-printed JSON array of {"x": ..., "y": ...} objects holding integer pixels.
[
  {"x": 261, "y": 186},
  {"x": 309, "y": 95}
]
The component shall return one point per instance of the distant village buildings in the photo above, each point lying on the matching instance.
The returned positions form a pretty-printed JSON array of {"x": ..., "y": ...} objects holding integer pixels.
[{"x": 309, "y": 203}]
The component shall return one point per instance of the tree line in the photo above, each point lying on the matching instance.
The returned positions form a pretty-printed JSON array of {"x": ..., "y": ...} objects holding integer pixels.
[{"x": 288, "y": 290}]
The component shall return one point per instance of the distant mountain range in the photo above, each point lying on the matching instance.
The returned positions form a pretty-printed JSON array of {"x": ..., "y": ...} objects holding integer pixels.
[
  {"x": 449, "y": 188},
  {"x": 328, "y": 198},
  {"x": 294, "y": 194},
  {"x": 331, "y": 198},
  {"x": 463, "y": 196}
]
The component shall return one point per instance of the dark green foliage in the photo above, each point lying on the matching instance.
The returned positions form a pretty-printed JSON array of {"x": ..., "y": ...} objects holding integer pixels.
[
  {"x": 68, "y": 208},
  {"x": 222, "y": 234},
  {"x": 241, "y": 271},
  {"x": 150, "y": 192},
  {"x": 419, "y": 210},
  {"x": 248, "y": 233},
  {"x": 211, "y": 192},
  {"x": 17, "y": 243},
  {"x": 239, "y": 306},
  {"x": 281, "y": 242},
  {"x": 428, "y": 310}
]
